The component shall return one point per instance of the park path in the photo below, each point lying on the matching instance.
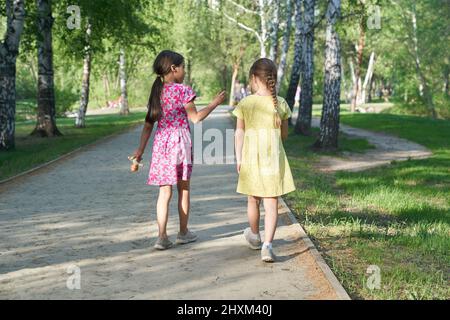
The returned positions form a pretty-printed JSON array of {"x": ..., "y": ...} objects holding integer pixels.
[
  {"x": 90, "y": 212},
  {"x": 387, "y": 148}
]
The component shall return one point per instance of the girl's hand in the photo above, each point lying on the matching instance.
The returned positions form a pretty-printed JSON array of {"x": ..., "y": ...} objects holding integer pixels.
[
  {"x": 238, "y": 167},
  {"x": 138, "y": 154},
  {"x": 219, "y": 99}
]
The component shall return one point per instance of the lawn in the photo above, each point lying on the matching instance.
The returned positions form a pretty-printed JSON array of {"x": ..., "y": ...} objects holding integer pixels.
[
  {"x": 33, "y": 151},
  {"x": 395, "y": 217}
]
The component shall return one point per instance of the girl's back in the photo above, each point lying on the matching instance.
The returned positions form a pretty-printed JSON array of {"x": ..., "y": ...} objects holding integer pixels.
[
  {"x": 174, "y": 98},
  {"x": 257, "y": 111}
]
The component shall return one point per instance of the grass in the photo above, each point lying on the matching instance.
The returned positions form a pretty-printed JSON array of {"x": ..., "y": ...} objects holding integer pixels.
[
  {"x": 396, "y": 217},
  {"x": 33, "y": 151}
]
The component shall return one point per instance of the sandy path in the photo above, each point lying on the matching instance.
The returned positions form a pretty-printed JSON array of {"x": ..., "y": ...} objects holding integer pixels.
[
  {"x": 90, "y": 212},
  {"x": 387, "y": 148}
]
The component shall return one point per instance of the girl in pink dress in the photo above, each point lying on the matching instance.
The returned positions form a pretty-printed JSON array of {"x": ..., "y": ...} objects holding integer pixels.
[{"x": 171, "y": 104}]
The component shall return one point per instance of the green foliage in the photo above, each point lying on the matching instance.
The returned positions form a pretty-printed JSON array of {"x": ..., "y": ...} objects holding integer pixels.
[{"x": 396, "y": 217}]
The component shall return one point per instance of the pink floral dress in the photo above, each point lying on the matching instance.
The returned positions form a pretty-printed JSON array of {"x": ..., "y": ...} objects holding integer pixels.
[{"x": 172, "y": 156}]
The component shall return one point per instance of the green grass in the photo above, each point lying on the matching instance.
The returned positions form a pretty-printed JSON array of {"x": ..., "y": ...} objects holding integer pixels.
[
  {"x": 396, "y": 217},
  {"x": 33, "y": 151}
]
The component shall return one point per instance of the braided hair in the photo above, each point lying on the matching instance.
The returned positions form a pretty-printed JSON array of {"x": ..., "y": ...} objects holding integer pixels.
[{"x": 266, "y": 70}]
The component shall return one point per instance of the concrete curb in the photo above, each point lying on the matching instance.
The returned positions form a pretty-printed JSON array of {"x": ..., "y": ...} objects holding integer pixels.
[
  {"x": 67, "y": 155},
  {"x": 329, "y": 275}
]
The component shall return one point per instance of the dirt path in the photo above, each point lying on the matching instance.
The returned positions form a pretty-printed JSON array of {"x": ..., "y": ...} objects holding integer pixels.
[
  {"x": 90, "y": 214},
  {"x": 387, "y": 148}
]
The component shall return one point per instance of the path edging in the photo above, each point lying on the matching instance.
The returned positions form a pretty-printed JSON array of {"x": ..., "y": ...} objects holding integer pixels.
[
  {"x": 326, "y": 270},
  {"x": 67, "y": 155}
]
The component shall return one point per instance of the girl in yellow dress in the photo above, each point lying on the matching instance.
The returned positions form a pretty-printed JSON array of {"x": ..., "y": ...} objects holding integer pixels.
[{"x": 262, "y": 165}]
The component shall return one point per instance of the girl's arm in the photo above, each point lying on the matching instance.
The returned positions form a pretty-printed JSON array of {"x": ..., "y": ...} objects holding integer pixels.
[
  {"x": 239, "y": 142},
  {"x": 284, "y": 129},
  {"x": 145, "y": 135},
  {"x": 197, "y": 116}
]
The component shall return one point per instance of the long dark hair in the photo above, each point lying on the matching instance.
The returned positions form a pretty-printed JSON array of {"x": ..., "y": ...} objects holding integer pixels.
[
  {"x": 266, "y": 70},
  {"x": 161, "y": 67}
]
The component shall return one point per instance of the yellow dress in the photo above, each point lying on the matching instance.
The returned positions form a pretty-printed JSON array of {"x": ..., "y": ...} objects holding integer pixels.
[{"x": 265, "y": 170}]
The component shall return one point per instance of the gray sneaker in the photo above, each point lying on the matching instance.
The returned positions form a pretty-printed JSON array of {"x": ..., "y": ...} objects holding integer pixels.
[
  {"x": 186, "y": 238},
  {"x": 254, "y": 243},
  {"x": 267, "y": 254},
  {"x": 163, "y": 244}
]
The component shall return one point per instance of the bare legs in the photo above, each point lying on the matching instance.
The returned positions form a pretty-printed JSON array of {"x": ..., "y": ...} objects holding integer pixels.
[
  {"x": 184, "y": 201},
  {"x": 253, "y": 213},
  {"x": 162, "y": 207},
  {"x": 271, "y": 217}
]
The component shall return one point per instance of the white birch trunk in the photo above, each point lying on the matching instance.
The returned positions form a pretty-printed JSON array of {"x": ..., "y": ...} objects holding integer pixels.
[
  {"x": 9, "y": 49},
  {"x": 84, "y": 101},
  {"x": 285, "y": 45},
  {"x": 123, "y": 84}
]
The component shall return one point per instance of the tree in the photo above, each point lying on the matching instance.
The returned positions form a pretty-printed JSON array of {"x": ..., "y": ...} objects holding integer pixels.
[
  {"x": 285, "y": 44},
  {"x": 274, "y": 26},
  {"x": 329, "y": 122},
  {"x": 303, "y": 124},
  {"x": 123, "y": 84},
  {"x": 46, "y": 109},
  {"x": 9, "y": 49},
  {"x": 123, "y": 22},
  {"x": 296, "y": 65},
  {"x": 85, "y": 83}
]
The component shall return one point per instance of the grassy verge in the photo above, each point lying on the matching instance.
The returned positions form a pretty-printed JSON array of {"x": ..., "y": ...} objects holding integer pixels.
[
  {"x": 395, "y": 217},
  {"x": 31, "y": 151}
]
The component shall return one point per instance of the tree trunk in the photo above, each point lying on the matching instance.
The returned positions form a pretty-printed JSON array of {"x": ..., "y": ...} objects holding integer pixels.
[
  {"x": 106, "y": 88},
  {"x": 368, "y": 79},
  {"x": 446, "y": 76},
  {"x": 84, "y": 101},
  {"x": 189, "y": 71},
  {"x": 296, "y": 66},
  {"x": 359, "y": 54},
  {"x": 262, "y": 16},
  {"x": 46, "y": 109},
  {"x": 9, "y": 49},
  {"x": 303, "y": 125},
  {"x": 285, "y": 45},
  {"x": 425, "y": 92},
  {"x": 274, "y": 27},
  {"x": 235, "y": 73},
  {"x": 233, "y": 83},
  {"x": 124, "y": 110},
  {"x": 329, "y": 122}
]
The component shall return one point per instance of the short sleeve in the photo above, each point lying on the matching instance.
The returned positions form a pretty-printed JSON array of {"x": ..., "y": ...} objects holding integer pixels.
[
  {"x": 188, "y": 95},
  {"x": 285, "y": 111},
  {"x": 238, "y": 111}
]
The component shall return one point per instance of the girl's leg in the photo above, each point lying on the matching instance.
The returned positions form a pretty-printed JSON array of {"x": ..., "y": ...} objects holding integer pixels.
[
  {"x": 162, "y": 209},
  {"x": 184, "y": 201},
  {"x": 271, "y": 218},
  {"x": 253, "y": 213}
]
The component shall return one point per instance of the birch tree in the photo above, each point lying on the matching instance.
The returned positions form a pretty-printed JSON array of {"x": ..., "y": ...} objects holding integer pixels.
[
  {"x": 329, "y": 122},
  {"x": 303, "y": 124},
  {"x": 46, "y": 108},
  {"x": 274, "y": 26},
  {"x": 86, "y": 79},
  {"x": 285, "y": 43},
  {"x": 123, "y": 105},
  {"x": 296, "y": 65},
  {"x": 261, "y": 12},
  {"x": 9, "y": 49}
]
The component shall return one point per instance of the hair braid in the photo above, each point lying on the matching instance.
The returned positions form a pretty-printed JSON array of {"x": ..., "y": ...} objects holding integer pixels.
[{"x": 271, "y": 84}]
